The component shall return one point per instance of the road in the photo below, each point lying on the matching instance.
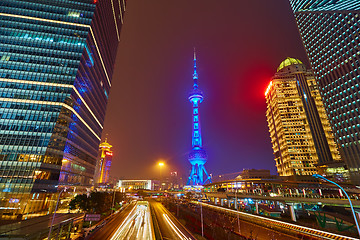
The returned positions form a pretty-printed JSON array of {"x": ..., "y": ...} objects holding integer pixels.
[
  {"x": 108, "y": 230},
  {"x": 170, "y": 227},
  {"x": 137, "y": 225}
]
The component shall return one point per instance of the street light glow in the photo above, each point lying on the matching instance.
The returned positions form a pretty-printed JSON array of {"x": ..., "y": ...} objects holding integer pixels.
[{"x": 161, "y": 164}]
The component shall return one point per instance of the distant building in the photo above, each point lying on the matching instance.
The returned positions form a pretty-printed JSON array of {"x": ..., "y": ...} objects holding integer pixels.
[
  {"x": 300, "y": 132},
  {"x": 225, "y": 176},
  {"x": 103, "y": 165},
  {"x": 173, "y": 182},
  {"x": 255, "y": 174},
  {"x": 330, "y": 34},
  {"x": 139, "y": 184}
]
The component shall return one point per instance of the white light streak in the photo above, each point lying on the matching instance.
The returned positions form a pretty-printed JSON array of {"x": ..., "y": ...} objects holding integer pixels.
[
  {"x": 36, "y": 83},
  {"x": 136, "y": 225},
  {"x": 121, "y": 17},
  {"x": 44, "y": 20},
  {"x": 175, "y": 229},
  {"x": 66, "y": 23},
  {"x": 124, "y": 5},
  {"x": 54, "y": 104},
  {"x": 53, "y": 85},
  {"x": 102, "y": 62},
  {"x": 87, "y": 106},
  {"x": 117, "y": 30}
]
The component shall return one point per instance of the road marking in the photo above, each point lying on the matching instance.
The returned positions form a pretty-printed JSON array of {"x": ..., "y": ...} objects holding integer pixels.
[{"x": 179, "y": 233}]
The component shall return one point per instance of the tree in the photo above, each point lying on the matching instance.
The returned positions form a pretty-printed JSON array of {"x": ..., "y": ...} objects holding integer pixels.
[{"x": 96, "y": 202}]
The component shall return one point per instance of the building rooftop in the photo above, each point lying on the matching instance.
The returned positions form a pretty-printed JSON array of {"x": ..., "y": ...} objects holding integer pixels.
[{"x": 287, "y": 62}]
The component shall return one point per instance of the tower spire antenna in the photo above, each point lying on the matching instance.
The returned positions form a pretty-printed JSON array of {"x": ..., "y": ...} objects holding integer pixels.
[{"x": 195, "y": 75}]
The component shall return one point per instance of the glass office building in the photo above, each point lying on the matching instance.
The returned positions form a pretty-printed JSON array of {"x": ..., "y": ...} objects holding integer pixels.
[
  {"x": 330, "y": 33},
  {"x": 301, "y": 137},
  {"x": 56, "y": 64}
]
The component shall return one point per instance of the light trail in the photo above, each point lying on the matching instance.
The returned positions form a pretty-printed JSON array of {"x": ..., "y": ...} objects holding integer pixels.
[
  {"x": 294, "y": 227},
  {"x": 174, "y": 228},
  {"x": 137, "y": 225}
]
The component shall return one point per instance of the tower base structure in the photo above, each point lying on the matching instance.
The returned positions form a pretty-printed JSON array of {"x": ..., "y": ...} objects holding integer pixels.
[{"x": 198, "y": 175}]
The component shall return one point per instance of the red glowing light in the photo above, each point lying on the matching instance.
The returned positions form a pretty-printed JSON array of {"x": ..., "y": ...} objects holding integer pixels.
[
  {"x": 95, "y": 1},
  {"x": 109, "y": 154},
  {"x": 268, "y": 88}
]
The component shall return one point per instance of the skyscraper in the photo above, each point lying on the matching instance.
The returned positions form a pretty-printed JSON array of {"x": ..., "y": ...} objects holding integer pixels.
[
  {"x": 103, "y": 164},
  {"x": 300, "y": 133},
  {"x": 197, "y": 156},
  {"x": 330, "y": 33},
  {"x": 56, "y": 64}
]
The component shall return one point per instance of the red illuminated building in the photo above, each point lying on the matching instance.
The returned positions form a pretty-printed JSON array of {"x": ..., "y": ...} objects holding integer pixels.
[{"x": 104, "y": 163}]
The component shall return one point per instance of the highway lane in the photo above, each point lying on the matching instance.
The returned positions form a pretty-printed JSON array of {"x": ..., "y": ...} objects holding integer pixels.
[
  {"x": 137, "y": 225},
  {"x": 108, "y": 230},
  {"x": 170, "y": 227}
]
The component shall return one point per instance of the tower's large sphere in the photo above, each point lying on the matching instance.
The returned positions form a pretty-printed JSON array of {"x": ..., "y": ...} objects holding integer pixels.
[{"x": 198, "y": 156}]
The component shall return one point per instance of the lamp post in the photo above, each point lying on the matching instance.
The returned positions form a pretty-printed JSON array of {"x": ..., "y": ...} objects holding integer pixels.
[
  {"x": 113, "y": 201},
  {"x": 201, "y": 217},
  {"x": 161, "y": 165},
  {"x": 351, "y": 206},
  {"x": 53, "y": 218},
  {"x": 237, "y": 207}
]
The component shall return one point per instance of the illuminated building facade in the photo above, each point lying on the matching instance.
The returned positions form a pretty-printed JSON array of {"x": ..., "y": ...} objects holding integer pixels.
[
  {"x": 300, "y": 132},
  {"x": 330, "y": 33},
  {"x": 139, "y": 184},
  {"x": 103, "y": 165},
  {"x": 56, "y": 64},
  {"x": 197, "y": 156}
]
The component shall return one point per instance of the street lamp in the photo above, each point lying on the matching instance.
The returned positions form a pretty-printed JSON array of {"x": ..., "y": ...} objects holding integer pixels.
[
  {"x": 202, "y": 220},
  {"x": 351, "y": 206},
  {"x": 161, "y": 165},
  {"x": 56, "y": 207},
  {"x": 237, "y": 207},
  {"x": 53, "y": 218}
]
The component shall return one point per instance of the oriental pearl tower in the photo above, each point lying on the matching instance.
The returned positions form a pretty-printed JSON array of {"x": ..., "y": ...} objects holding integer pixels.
[{"x": 197, "y": 155}]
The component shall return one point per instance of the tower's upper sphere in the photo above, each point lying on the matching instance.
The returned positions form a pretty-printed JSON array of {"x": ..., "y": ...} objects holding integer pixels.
[
  {"x": 196, "y": 95},
  {"x": 289, "y": 61}
]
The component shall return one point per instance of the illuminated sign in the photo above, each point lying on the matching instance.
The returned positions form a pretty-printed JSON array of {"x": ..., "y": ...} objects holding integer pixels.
[{"x": 109, "y": 153}]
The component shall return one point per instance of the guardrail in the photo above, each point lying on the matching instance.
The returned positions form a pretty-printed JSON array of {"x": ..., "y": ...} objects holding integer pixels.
[{"x": 280, "y": 225}]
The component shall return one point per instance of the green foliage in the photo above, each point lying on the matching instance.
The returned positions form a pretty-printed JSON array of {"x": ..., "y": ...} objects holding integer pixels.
[
  {"x": 95, "y": 202},
  {"x": 189, "y": 195}
]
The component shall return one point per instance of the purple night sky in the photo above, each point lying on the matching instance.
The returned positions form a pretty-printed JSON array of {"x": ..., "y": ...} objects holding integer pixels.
[{"x": 239, "y": 46}]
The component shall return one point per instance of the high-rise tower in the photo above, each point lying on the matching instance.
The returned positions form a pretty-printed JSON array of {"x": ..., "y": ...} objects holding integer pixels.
[
  {"x": 103, "y": 164},
  {"x": 197, "y": 156},
  {"x": 330, "y": 33},
  {"x": 56, "y": 65},
  {"x": 302, "y": 140}
]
